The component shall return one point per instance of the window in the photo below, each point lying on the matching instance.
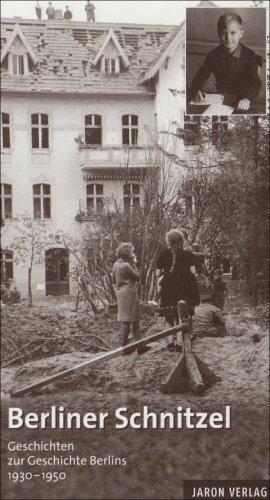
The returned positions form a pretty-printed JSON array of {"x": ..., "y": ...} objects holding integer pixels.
[
  {"x": 129, "y": 130},
  {"x": 94, "y": 197},
  {"x": 42, "y": 201},
  {"x": 132, "y": 196},
  {"x": 192, "y": 127},
  {"x": 6, "y": 265},
  {"x": 6, "y": 201},
  {"x": 5, "y": 130},
  {"x": 110, "y": 66},
  {"x": 18, "y": 67},
  {"x": 40, "y": 131},
  {"x": 93, "y": 129},
  {"x": 219, "y": 130}
]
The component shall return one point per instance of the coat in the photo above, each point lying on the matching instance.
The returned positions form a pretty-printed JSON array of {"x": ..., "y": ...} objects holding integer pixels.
[{"x": 125, "y": 276}]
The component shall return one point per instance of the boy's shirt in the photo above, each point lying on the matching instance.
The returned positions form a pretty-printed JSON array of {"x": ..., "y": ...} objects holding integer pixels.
[{"x": 235, "y": 73}]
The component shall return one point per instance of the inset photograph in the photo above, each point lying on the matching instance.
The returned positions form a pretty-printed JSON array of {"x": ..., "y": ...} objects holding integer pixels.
[{"x": 225, "y": 61}]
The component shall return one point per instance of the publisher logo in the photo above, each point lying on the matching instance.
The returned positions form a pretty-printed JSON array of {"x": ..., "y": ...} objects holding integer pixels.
[{"x": 235, "y": 490}]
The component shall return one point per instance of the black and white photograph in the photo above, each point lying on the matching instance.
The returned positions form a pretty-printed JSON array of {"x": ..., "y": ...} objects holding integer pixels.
[
  {"x": 226, "y": 60},
  {"x": 134, "y": 250}
]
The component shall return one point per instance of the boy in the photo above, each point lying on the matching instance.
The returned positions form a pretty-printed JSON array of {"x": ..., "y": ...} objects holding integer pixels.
[
  {"x": 208, "y": 320},
  {"x": 234, "y": 65},
  {"x": 219, "y": 289}
]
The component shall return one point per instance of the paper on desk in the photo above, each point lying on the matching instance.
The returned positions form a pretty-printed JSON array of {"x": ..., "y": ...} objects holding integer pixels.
[
  {"x": 218, "y": 110},
  {"x": 209, "y": 99}
]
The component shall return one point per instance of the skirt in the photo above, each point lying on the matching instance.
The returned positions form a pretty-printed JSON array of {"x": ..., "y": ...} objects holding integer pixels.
[{"x": 127, "y": 303}]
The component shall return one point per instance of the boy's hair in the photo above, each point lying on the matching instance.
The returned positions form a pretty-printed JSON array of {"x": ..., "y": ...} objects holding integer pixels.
[
  {"x": 226, "y": 19},
  {"x": 174, "y": 237},
  {"x": 124, "y": 250}
]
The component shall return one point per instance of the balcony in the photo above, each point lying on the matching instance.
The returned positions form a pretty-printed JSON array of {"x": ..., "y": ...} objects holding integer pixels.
[{"x": 116, "y": 162}]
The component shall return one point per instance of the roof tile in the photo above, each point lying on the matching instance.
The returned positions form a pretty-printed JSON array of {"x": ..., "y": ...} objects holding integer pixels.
[{"x": 66, "y": 50}]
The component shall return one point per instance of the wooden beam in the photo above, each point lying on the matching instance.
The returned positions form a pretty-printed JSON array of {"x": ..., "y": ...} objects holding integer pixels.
[
  {"x": 194, "y": 374},
  {"x": 176, "y": 381},
  {"x": 100, "y": 359},
  {"x": 208, "y": 376},
  {"x": 186, "y": 342}
]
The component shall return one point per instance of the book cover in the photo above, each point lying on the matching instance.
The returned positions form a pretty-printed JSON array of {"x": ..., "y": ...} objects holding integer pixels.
[{"x": 134, "y": 250}]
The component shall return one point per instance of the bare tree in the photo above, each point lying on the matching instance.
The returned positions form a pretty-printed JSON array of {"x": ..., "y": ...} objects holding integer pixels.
[{"x": 33, "y": 236}]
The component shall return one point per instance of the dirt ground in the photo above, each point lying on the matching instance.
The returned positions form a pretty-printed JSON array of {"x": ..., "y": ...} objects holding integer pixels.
[{"x": 158, "y": 459}]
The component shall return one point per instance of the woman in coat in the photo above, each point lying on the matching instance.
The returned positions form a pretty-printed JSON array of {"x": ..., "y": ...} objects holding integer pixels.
[{"x": 125, "y": 276}]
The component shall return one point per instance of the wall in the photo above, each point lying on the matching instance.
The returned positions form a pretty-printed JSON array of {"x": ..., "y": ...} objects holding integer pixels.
[
  {"x": 170, "y": 108},
  {"x": 60, "y": 166}
]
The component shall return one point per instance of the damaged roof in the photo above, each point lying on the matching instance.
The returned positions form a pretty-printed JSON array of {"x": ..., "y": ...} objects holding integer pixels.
[{"x": 66, "y": 51}]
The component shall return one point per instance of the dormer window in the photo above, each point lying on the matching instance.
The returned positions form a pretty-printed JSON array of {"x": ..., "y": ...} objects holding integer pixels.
[
  {"x": 18, "y": 56},
  {"x": 110, "y": 66},
  {"x": 18, "y": 64},
  {"x": 109, "y": 55}
]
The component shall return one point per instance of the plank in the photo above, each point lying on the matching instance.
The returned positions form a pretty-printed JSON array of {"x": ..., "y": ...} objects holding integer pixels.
[
  {"x": 194, "y": 374},
  {"x": 99, "y": 360},
  {"x": 186, "y": 342},
  {"x": 177, "y": 371}
]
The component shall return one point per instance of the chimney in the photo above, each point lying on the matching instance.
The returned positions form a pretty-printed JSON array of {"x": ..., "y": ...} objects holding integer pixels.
[
  {"x": 58, "y": 14},
  {"x": 206, "y": 3}
]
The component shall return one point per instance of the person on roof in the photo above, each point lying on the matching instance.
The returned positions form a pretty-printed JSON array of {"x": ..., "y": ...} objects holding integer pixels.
[
  {"x": 38, "y": 10},
  {"x": 68, "y": 14},
  {"x": 50, "y": 11},
  {"x": 90, "y": 11}
]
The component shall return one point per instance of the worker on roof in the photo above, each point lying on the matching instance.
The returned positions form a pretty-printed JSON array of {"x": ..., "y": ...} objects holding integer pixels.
[
  {"x": 50, "y": 11},
  {"x": 90, "y": 11},
  {"x": 68, "y": 14},
  {"x": 38, "y": 10}
]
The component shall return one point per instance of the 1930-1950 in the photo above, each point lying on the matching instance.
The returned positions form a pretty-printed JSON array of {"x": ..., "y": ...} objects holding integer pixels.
[{"x": 48, "y": 477}]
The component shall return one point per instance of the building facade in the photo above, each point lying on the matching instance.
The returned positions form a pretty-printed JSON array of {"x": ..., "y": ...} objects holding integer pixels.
[{"x": 80, "y": 104}]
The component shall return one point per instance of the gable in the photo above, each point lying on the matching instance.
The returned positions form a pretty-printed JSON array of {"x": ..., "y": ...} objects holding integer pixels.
[
  {"x": 17, "y": 47},
  {"x": 111, "y": 44},
  {"x": 18, "y": 42}
]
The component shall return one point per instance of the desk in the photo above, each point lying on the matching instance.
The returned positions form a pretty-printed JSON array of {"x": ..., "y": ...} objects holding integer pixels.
[{"x": 222, "y": 105}]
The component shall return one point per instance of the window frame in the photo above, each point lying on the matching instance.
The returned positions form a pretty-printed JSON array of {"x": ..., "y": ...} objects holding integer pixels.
[
  {"x": 192, "y": 124},
  {"x": 42, "y": 196},
  {"x": 132, "y": 196},
  {"x": 4, "y": 197},
  {"x": 4, "y": 260},
  {"x": 17, "y": 59},
  {"x": 5, "y": 126},
  {"x": 108, "y": 62},
  {"x": 220, "y": 130},
  {"x": 93, "y": 126},
  {"x": 17, "y": 56},
  {"x": 130, "y": 127},
  {"x": 95, "y": 197},
  {"x": 39, "y": 127}
]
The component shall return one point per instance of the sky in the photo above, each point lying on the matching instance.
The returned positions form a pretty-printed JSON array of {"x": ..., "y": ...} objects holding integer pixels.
[{"x": 124, "y": 11}]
